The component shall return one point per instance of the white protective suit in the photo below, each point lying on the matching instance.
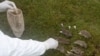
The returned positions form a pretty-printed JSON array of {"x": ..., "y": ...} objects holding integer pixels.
[{"x": 17, "y": 47}]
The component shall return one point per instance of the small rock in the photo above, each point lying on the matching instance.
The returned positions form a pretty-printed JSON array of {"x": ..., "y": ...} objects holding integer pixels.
[
  {"x": 74, "y": 26},
  {"x": 62, "y": 24},
  {"x": 81, "y": 43},
  {"x": 69, "y": 27},
  {"x": 85, "y": 34}
]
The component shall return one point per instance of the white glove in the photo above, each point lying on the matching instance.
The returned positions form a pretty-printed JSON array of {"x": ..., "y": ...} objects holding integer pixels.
[
  {"x": 5, "y": 5},
  {"x": 51, "y": 43}
]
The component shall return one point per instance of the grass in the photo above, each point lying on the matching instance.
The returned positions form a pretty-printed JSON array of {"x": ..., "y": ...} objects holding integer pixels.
[{"x": 43, "y": 19}]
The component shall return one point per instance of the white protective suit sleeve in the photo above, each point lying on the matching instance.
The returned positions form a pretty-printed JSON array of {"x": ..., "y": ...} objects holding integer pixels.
[{"x": 17, "y": 47}]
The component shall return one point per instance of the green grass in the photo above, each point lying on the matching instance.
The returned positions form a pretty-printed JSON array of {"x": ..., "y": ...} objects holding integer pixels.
[{"x": 43, "y": 18}]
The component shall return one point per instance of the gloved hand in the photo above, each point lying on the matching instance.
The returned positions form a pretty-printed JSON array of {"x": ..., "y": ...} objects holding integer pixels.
[
  {"x": 51, "y": 43},
  {"x": 5, "y": 5}
]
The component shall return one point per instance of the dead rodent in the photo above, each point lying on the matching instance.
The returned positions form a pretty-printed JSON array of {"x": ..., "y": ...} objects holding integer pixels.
[
  {"x": 65, "y": 32},
  {"x": 62, "y": 40},
  {"x": 85, "y": 33},
  {"x": 61, "y": 49},
  {"x": 75, "y": 51},
  {"x": 81, "y": 43}
]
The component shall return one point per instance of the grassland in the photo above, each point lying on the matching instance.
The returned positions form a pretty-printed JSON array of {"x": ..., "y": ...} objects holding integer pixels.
[{"x": 43, "y": 19}]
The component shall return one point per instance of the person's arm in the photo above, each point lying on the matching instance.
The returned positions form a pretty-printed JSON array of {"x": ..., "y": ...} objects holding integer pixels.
[{"x": 18, "y": 47}]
